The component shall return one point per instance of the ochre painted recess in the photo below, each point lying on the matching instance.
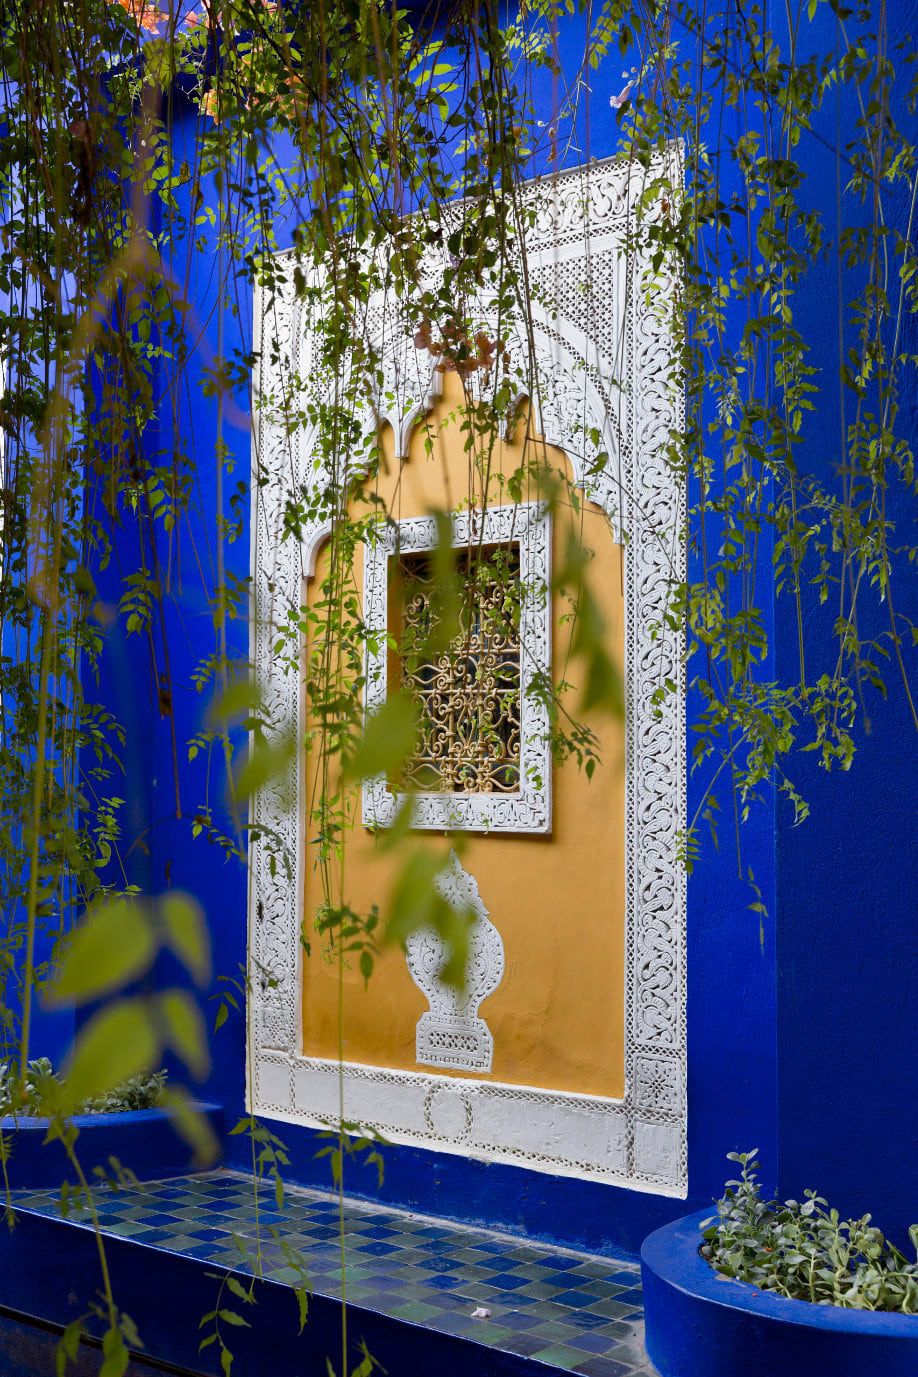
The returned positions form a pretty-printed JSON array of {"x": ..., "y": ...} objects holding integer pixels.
[{"x": 558, "y": 901}]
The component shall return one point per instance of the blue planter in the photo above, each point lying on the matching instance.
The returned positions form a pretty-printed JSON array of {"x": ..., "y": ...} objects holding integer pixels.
[
  {"x": 701, "y": 1326},
  {"x": 143, "y": 1140}
]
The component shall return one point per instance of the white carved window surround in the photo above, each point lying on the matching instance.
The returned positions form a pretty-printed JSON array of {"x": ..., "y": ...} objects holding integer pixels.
[
  {"x": 606, "y": 364},
  {"x": 527, "y": 808}
]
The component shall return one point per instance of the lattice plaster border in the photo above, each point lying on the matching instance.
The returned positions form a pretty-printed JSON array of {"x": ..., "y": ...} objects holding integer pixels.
[
  {"x": 527, "y": 809},
  {"x": 602, "y": 334}
]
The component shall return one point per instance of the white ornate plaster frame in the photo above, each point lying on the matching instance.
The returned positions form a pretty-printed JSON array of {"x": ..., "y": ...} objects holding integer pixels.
[
  {"x": 527, "y": 809},
  {"x": 607, "y": 365}
]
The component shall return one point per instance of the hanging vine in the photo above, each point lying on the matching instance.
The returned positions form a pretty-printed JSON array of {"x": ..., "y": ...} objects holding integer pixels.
[{"x": 152, "y": 163}]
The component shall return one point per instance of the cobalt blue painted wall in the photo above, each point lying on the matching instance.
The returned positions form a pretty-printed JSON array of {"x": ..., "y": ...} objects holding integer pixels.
[
  {"x": 157, "y": 847},
  {"x": 51, "y": 1030},
  {"x": 847, "y": 937},
  {"x": 797, "y": 1043}
]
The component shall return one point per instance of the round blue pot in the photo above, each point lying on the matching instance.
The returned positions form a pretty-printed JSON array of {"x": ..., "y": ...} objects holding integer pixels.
[
  {"x": 699, "y": 1325},
  {"x": 143, "y": 1140}
]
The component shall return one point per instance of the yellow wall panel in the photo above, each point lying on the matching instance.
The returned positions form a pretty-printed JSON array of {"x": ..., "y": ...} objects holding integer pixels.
[{"x": 558, "y": 901}]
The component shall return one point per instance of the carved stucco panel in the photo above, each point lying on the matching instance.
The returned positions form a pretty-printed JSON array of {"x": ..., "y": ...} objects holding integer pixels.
[{"x": 608, "y": 363}]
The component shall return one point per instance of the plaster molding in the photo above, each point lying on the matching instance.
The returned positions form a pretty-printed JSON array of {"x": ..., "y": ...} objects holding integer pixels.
[
  {"x": 451, "y": 1033},
  {"x": 601, "y": 334}
]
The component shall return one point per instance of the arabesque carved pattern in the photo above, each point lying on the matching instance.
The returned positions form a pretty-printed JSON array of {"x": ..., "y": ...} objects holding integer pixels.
[
  {"x": 607, "y": 382},
  {"x": 467, "y": 691},
  {"x": 527, "y": 809}
]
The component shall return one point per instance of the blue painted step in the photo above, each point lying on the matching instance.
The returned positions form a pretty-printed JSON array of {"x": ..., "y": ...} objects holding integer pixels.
[{"x": 412, "y": 1283}]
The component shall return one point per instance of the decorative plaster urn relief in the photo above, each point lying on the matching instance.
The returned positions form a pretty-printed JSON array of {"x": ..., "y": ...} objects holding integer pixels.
[{"x": 451, "y": 1033}]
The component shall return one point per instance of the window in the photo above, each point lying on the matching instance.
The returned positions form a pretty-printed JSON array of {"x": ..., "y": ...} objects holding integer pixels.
[
  {"x": 468, "y": 693},
  {"x": 483, "y": 760}
]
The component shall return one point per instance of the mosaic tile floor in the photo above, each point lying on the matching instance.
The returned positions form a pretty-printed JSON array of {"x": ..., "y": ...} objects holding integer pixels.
[{"x": 572, "y": 1311}]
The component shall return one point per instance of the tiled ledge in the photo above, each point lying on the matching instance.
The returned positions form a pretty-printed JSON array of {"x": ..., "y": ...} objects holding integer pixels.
[{"x": 551, "y": 1310}]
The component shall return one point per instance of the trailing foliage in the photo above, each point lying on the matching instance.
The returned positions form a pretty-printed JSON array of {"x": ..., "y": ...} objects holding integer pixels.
[
  {"x": 151, "y": 162},
  {"x": 806, "y": 1251}
]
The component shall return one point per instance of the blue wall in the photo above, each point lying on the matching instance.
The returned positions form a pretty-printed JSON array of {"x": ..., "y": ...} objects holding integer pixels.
[{"x": 798, "y": 1041}]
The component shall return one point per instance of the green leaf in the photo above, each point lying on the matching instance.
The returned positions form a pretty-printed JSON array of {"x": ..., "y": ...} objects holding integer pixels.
[
  {"x": 184, "y": 1030},
  {"x": 235, "y": 1286},
  {"x": 302, "y": 1301},
  {"x": 446, "y": 597},
  {"x": 128, "y": 1327},
  {"x": 68, "y": 1347},
  {"x": 604, "y": 685},
  {"x": 115, "y": 1353},
  {"x": 388, "y": 739},
  {"x": 414, "y": 895},
  {"x": 238, "y": 701},
  {"x": 193, "y": 1126},
  {"x": 83, "y": 582},
  {"x": 367, "y": 1364},
  {"x": 265, "y": 761},
  {"x": 230, "y": 1317},
  {"x": 186, "y": 933},
  {"x": 112, "y": 946},
  {"x": 416, "y": 903},
  {"x": 116, "y": 1043}
]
